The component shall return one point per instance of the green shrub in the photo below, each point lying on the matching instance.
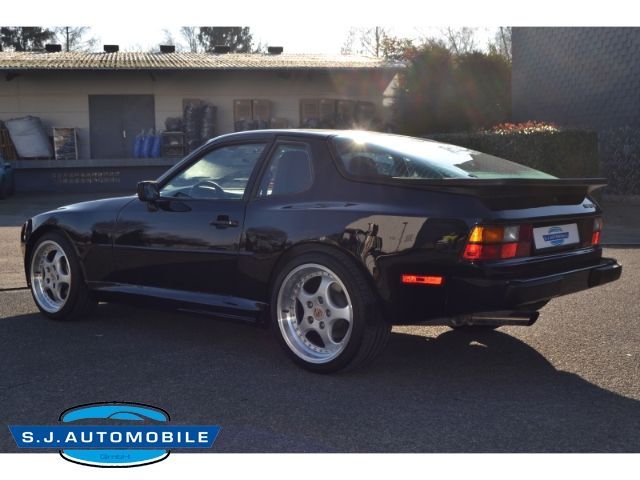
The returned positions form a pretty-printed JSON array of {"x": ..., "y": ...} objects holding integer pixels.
[
  {"x": 620, "y": 159},
  {"x": 563, "y": 153}
]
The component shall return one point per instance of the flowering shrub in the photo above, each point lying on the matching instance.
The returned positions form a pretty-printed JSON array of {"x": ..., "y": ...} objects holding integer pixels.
[{"x": 524, "y": 128}]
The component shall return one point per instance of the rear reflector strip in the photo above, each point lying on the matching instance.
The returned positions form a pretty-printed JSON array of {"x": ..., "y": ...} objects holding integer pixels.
[{"x": 422, "y": 280}]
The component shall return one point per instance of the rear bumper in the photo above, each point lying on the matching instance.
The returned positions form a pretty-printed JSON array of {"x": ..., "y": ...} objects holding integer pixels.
[{"x": 490, "y": 294}]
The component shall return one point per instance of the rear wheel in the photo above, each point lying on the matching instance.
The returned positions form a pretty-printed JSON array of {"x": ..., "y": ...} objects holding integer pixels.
[
  {"x": 325, "y": 314},
  {"x": 57, "y": 283}
]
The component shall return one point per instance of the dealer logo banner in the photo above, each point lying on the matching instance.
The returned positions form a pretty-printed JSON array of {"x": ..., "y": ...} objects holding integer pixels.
[{"x": 114, "y": 434}]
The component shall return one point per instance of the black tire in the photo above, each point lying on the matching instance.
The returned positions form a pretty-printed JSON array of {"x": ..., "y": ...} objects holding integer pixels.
[
  {"x": 79, "y": 301},
  {"x": 369, "y": 331}
]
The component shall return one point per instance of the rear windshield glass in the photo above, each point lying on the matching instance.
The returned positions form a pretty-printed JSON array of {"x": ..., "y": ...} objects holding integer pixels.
[{"x": 368, "y": 155}]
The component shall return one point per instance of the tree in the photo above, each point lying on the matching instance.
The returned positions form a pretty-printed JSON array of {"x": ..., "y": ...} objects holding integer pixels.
[
  {"x": 501, "y": 44},
  {"x": 74, "y": 39},
  {"x": 396, "y": 48},
  {"x": 484, "y": 82},
  {"x": 239, "y": 39},
  {"x": 365, "y": 41},
  {"x": 440, "y": 91},
  {"x": 190, "y": 35},
  {"x": 426, "y": 99},
  {"x": 25, "y": 38},
  {"x": 460, "y": 40}
]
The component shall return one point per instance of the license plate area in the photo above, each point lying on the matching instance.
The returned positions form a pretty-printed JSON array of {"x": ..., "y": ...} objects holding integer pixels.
[{"x": 556, "y": 236}]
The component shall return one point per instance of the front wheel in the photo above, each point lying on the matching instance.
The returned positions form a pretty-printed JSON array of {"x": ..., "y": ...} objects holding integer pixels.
[
  {"x": 325, "y": 314},
  {"x": 57, "y": 284}
]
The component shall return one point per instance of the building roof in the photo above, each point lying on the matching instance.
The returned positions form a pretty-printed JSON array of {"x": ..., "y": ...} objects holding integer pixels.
[{"x": 20, "y": 61}]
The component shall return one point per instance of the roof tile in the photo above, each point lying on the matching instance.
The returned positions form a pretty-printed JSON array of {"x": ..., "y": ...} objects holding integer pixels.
[{"x": 185, "y": 61}]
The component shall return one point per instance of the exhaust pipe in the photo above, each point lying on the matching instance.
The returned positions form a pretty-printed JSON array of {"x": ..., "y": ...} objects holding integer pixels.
[{"x": 523, "y": 318}]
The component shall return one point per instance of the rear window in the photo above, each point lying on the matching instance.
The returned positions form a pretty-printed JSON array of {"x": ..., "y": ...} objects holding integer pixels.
[{"x": 368, "y": 155}]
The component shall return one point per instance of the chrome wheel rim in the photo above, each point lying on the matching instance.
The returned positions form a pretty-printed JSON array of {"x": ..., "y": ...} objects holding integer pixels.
[
  {"x": 50, "y": 276},
  {"x": 315, "y": 314}
]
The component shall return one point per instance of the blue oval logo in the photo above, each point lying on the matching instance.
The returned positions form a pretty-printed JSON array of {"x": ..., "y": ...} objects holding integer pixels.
[
  {"x": 556, "y": 236},
  {"x": 114, "y": 434},
  {"x": 116, "y": 413}
]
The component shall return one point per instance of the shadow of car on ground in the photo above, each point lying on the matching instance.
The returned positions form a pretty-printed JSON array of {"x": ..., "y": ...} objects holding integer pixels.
[{"x": 440, "y": 391}]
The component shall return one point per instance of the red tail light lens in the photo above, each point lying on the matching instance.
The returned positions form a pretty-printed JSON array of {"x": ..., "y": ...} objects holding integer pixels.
[
  {"x": 498, "y": 242},
  {"x": 597, "y": 229},
  {"x": 473, "y": 251},
  {"x": 508, "y": 250}
]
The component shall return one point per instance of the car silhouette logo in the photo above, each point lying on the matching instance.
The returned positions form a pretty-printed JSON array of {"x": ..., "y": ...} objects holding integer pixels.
[{"x": 115, "y": 412}]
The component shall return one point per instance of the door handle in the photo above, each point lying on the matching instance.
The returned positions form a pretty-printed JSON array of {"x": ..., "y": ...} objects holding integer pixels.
[
  {"x": 223, "y": 221},
  {"x": 124, "y": 134}
]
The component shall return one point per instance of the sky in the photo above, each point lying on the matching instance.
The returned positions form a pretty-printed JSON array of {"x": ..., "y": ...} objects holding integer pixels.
[
  {"x": 308, "y": 27},
  {"x": 294, "y": 39}
]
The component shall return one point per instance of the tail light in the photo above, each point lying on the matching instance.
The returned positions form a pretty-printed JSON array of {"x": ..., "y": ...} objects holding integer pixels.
[
  {"x": 597, "y": 229},
  {"x": 498, "y": 242}
]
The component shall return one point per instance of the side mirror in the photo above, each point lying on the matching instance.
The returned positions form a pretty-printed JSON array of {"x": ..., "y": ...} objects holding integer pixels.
[{"x": 148, "y": 191}]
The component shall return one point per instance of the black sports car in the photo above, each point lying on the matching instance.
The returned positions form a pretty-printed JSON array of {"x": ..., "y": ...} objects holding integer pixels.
[{"x": 330, "y": 237}]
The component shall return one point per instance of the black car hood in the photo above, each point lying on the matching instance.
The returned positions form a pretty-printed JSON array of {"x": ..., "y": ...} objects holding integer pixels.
[
  {"x": 104, "y": 210},
  {"x": 103, "y": 205}
]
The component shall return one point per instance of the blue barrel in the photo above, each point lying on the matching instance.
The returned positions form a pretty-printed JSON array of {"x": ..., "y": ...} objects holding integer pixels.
[
  {"x": 137, "y": 145},
  {"x": 156, "y": 146},
  {"x": 147, "y": 145}
]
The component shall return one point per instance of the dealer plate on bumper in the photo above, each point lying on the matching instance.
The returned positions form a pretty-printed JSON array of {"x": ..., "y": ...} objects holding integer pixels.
[{"x": 555, "y": 236}]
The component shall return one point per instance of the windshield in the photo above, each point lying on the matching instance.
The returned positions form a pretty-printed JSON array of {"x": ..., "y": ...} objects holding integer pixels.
[{"x": 370, "y": 155}]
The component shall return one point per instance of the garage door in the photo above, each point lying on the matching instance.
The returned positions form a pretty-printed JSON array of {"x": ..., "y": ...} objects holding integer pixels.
[{"x": 114, "y": 122}]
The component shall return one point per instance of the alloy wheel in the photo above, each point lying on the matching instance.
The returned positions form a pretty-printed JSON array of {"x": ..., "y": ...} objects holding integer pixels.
[
  {"x": 315, "y": 313},
  {"x": 50, "y": 276}
]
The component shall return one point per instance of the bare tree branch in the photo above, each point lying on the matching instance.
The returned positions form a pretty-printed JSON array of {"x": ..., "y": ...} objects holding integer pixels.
[
  {"x": 75, "y": 39},
  {"x": 460, "y": 40},
  {"x": 190, "y": 35},
  {"x": 365, "y": 41}
]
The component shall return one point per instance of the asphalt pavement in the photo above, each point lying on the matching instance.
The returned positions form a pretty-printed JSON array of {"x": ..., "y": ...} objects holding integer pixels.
[{"x": 570, "y": 383}]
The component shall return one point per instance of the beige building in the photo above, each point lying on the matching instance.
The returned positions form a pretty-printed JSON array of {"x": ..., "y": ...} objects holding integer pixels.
[
  {"x": 109, "y": 98},
  {"x": 59, "y": 87}
]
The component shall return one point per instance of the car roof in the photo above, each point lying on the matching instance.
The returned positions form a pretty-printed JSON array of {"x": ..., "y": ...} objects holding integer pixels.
[
  {"x": 292, "y": 132},
  {"x": 268, "y": 133}
]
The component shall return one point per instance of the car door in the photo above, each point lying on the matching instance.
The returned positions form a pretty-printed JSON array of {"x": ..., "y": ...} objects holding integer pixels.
[
  {"x": 280, "y": 212},
  {"x": 188, "y": 239}
]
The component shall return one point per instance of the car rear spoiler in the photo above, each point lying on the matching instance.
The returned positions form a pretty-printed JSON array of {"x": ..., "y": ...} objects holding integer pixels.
[
  {"x": 587, "y": 185},
  {"x": 520, "y": 193}
]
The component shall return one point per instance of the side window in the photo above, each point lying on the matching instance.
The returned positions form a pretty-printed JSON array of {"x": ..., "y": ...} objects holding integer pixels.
[
  {"x": 220, "y": 173},
  {"x": 289, "y": 171}
]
